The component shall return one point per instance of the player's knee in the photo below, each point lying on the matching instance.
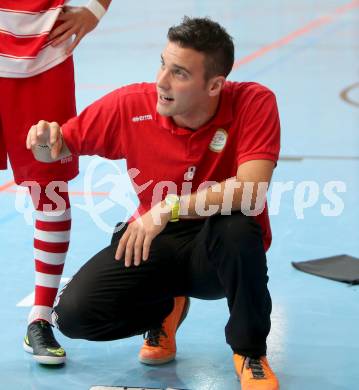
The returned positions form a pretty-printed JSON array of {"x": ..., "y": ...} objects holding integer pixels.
[{"x": 236, "y": 230}]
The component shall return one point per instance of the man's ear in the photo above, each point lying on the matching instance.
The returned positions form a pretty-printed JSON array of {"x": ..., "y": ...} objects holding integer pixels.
[{"x": 215, "y": 85}]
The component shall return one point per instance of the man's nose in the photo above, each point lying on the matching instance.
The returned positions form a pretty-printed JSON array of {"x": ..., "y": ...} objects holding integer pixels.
[{"x": 163, "y": 79}]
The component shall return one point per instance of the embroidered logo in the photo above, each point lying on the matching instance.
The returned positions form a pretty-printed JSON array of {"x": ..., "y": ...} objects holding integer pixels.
[
  {"x": 66, "y": 160},
  {"x": 218, "y": 141},
  {"x": 142, "y": 118}
]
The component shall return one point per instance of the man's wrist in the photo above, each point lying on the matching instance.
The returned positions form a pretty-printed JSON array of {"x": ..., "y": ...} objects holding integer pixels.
[
  {"x": 96, "y": 8},
  {"x": 172, "y": 201}
]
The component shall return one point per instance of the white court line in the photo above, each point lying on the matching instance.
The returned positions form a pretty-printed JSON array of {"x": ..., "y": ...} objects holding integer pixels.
[{"x": 131, "y": 388}]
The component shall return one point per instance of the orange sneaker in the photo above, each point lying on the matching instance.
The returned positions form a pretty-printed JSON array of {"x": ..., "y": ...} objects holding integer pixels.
[
  {"x": 255, "y": 374},
  {"x": 160, "y": 344}
]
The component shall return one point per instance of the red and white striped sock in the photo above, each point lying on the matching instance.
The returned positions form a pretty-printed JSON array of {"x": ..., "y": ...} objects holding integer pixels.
[{"x": 51, "y": 243}]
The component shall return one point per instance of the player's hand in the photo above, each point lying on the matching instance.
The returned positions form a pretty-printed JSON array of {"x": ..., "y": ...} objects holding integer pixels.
[
  {"x": 136, "y": 241},
  {"x": 46, "y": 133},
  {"x": 76, "y": 21}
]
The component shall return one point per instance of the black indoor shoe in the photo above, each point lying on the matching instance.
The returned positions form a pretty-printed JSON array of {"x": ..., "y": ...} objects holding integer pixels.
[{"x": 41, "y": 343}]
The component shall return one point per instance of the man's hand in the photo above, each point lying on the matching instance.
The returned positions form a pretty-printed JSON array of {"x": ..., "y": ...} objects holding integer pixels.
[
  {"x": 46, "y": 133},
  {"x": 75, "y": 21},
  {"x": 136, "y": 241}
]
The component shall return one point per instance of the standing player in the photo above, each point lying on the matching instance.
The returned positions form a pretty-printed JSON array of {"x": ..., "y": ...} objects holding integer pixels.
[{"x": 36, "y": 60}]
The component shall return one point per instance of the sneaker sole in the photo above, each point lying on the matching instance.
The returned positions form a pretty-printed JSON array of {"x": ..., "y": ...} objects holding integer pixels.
[
  {"x": 158, "y": 362},
  {"x": 50, "y": 360}
]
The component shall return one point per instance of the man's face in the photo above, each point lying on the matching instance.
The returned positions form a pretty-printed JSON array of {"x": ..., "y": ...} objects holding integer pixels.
[{"x": 181, "y": 86}]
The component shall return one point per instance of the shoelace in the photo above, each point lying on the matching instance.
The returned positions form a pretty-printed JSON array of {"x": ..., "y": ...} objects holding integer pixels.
[
  {"x": 256, "y": 366},
  {"x": 152, "y": 337},
  {"x": 42, "y": 331}
]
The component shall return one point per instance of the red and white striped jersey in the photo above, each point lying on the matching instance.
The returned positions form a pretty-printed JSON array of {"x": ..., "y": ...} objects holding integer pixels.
[{"x": 24, "y": 29}]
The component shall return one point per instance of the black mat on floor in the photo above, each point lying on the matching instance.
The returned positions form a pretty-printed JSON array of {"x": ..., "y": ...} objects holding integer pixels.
[{"x": 342, "y": 268}]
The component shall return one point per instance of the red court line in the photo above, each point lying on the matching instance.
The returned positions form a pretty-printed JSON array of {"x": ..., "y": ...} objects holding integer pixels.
[
  {"x": 6, "y": 186},
  {"x": 314, "y": 24},
  {"x": 97, "y": 86},
  {"x": 73, "y": 193},
  {"x": 297, "y": 33},
  {"x": 95, "y": 193}
]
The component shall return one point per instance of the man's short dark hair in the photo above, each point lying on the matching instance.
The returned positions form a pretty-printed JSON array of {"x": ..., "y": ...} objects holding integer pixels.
[{"x": 208, "y": 37}]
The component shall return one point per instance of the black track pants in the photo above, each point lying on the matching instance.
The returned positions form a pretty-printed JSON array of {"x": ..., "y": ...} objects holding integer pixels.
[{"x": 222, "y": 256}]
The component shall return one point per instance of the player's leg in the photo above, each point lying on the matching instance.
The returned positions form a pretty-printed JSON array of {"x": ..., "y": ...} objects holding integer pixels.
[
  {"x": 235, "y": 249},
  {"x": 51, "y": 243},
  {"x": 106, "y": 300},
  {"x": 159, "y": 345},
  {"x": 50, "y": 96}
]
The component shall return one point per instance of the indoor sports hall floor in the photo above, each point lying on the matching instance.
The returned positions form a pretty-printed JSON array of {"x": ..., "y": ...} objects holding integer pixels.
[{"x": 307, "y": 52}]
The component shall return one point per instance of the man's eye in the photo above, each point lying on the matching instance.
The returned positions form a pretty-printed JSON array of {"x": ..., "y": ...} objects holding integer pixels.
[{"x": 179, "y": 72}]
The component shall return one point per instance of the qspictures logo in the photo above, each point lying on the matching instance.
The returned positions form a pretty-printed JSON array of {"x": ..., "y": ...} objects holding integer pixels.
[{"x": 290, "y": 199}]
